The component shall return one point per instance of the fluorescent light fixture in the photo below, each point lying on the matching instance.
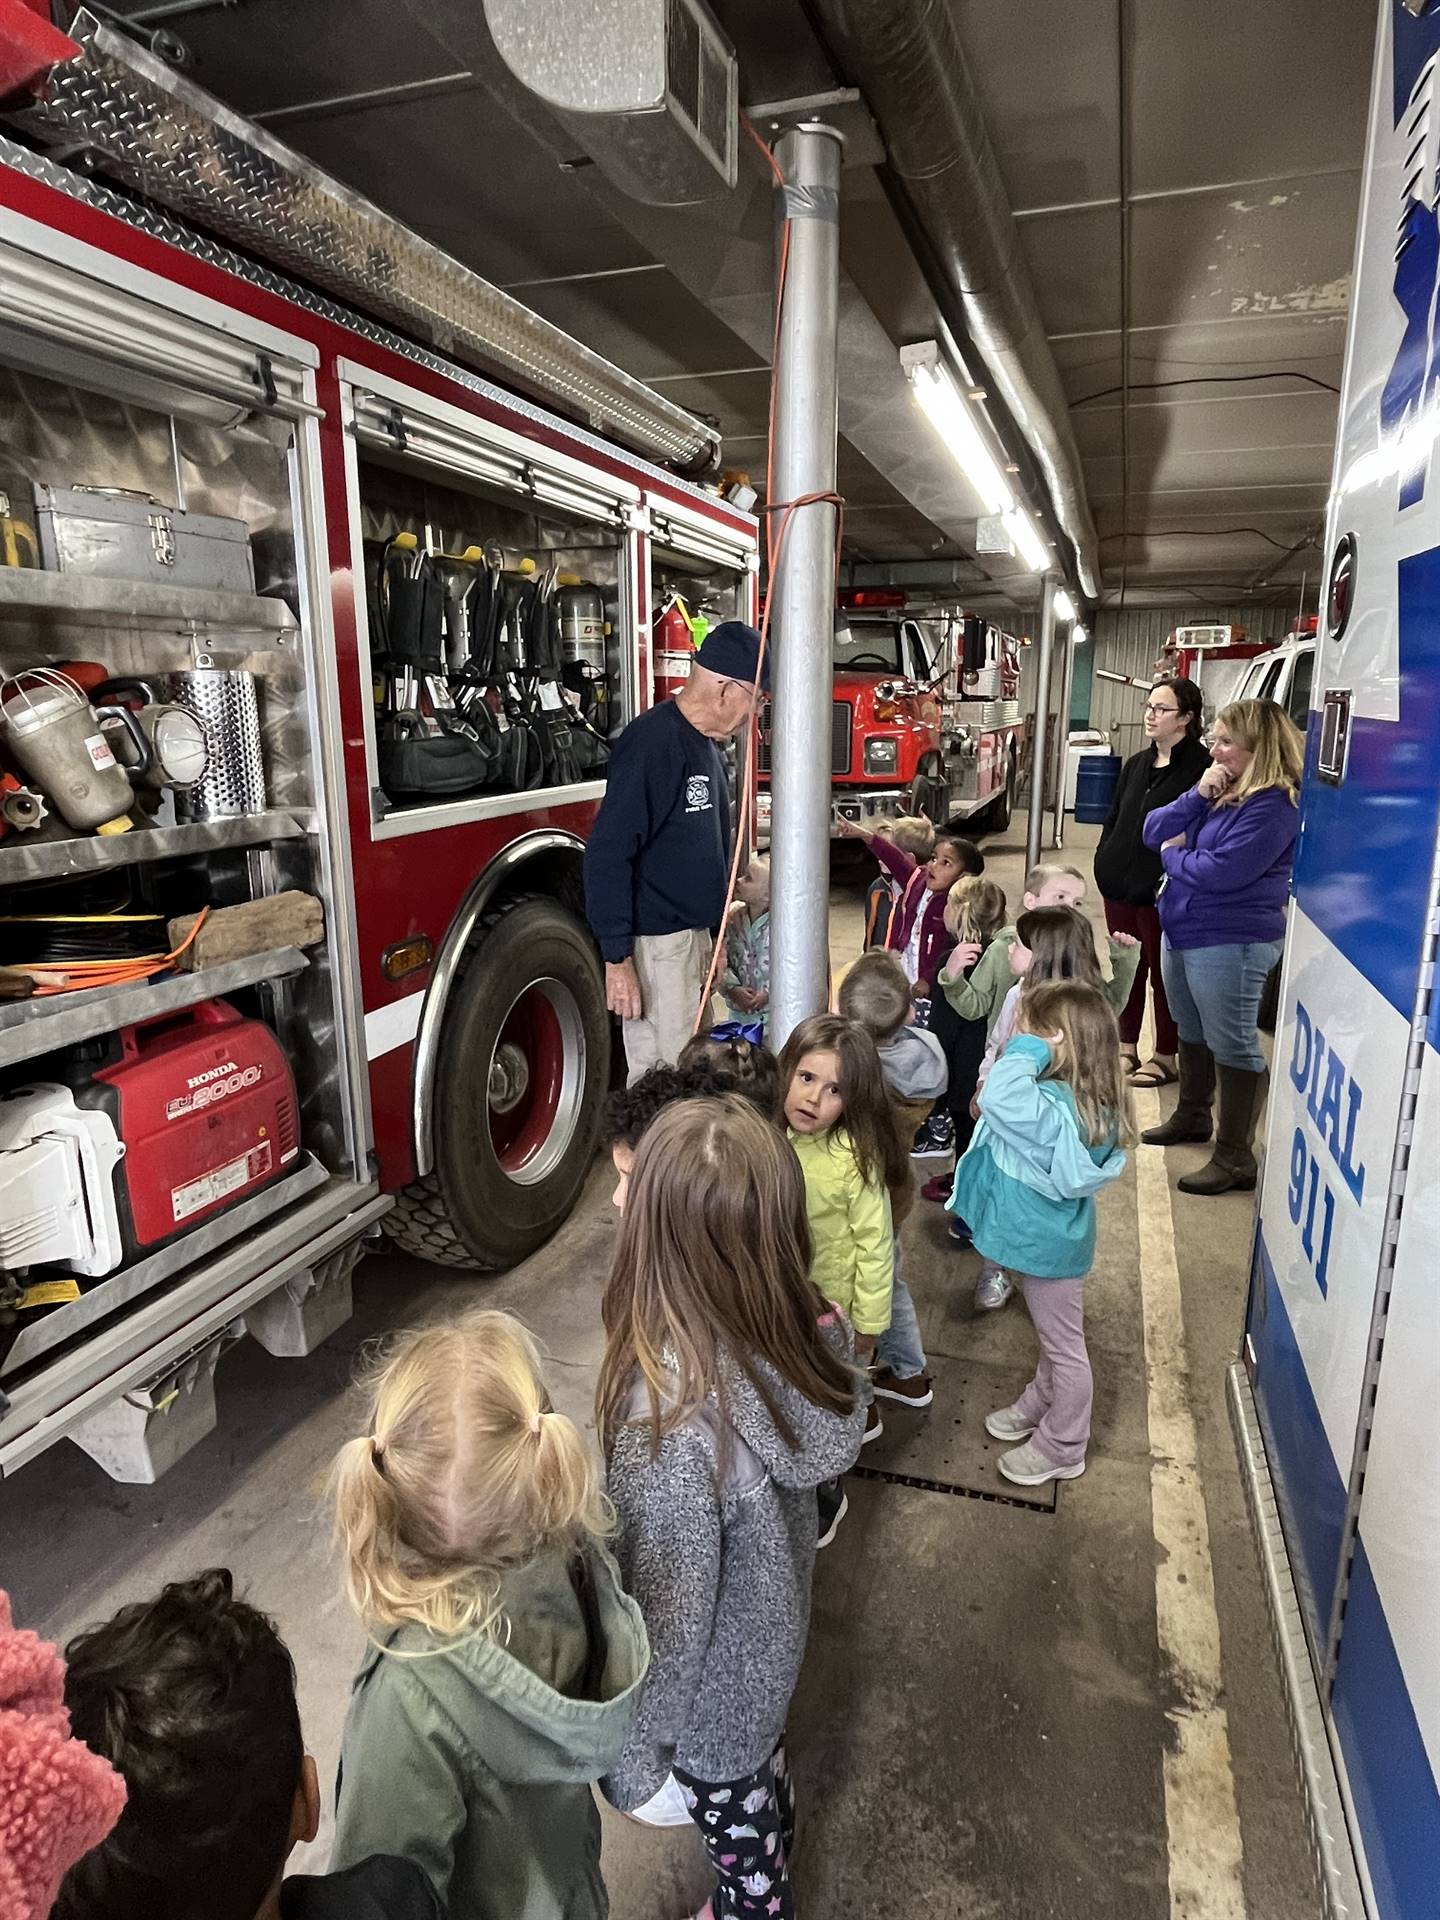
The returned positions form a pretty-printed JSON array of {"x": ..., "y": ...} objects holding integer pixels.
[
  {"x": 1028, "y": 544},
  {"x": 1064, "y": 607},
  {"x": 952, "y": 417}
]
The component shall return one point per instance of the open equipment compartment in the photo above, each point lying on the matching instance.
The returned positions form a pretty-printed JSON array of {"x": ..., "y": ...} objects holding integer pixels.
[
  {"x": 170, "y": 1131},
  {"x": 496, "y": 581}
]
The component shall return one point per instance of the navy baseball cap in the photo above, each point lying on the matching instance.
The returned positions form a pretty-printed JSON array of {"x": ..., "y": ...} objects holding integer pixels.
[{"x": 732, "y": 650}]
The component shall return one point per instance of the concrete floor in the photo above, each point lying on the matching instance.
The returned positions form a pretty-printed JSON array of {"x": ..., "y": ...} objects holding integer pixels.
[{"x": 986, "y": 1723}]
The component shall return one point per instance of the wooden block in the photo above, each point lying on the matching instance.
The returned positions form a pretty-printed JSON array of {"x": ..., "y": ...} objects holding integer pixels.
[{"x": 254, "y": 926}]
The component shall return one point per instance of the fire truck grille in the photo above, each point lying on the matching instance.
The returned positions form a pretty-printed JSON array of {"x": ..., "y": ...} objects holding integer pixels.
[{"x": 842, "y": 715}]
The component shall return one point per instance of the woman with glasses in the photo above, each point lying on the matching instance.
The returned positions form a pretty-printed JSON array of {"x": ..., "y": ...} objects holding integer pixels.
[
  {"x": 1128, "y": 874},
  {"x": 1226, "y": 847}
]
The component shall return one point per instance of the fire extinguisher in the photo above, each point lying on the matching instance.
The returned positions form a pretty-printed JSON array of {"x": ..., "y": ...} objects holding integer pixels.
[{"x": 674, "y": 638}]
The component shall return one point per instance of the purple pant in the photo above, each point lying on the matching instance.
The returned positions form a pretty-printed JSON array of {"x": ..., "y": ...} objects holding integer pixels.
[{"x": 1058, "y": 1398}]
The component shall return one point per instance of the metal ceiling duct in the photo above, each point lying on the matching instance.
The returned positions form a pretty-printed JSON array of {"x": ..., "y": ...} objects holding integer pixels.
[
  {"x": 178, "y": 146},
  {"x": 655, "y": 100},
  {"x": 907, "y": 59}
]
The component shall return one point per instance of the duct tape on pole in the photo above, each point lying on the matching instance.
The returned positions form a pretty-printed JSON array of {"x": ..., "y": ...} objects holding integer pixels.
[
  {"x": 1062, "y": 731},
  {"x": 1039, "y": 758},
  {"x": 802, "y": 593}
]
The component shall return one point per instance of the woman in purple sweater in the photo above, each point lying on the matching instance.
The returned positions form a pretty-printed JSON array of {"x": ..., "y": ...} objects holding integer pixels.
[{"x": 1226, "y": 848}]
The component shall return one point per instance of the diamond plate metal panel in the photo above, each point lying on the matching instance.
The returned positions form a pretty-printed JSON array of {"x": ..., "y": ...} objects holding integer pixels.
[{"x": 177, "y": 145}]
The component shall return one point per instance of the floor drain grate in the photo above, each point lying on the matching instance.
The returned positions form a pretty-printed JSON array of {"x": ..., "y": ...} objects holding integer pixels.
[{"x": 944, "y": 1486}]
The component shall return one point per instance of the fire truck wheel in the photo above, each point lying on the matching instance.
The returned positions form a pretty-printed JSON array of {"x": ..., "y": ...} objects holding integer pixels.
[
  {"x": 930, "y": 795},
  {"x": 524, "y": 1063},
  {"x": 997, "y": 817}
]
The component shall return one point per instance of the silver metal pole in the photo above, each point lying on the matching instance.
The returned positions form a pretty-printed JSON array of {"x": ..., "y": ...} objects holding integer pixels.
[
  {"x": 1062, "y": 733},
  {"x": 802, "y": 593},
  {"x": 1039, "y": 758}
]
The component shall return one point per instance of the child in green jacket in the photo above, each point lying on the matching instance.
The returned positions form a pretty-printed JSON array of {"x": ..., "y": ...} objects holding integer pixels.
[
  {"x": 981, "y": 996},
  {"x": 505, "y": 1661}
]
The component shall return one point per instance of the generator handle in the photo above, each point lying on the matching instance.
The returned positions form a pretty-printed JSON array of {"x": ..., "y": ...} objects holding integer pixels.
[{"x": 205, "y": 1013}]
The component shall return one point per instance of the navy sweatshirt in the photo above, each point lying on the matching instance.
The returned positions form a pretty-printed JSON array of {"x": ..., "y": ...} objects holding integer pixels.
[{"x": 658, "y": 855}]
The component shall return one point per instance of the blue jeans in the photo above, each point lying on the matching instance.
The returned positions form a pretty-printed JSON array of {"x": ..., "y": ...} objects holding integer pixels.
[
  {"x": 1214, "y": 994},
  {"x": 900, "y": 1349}
]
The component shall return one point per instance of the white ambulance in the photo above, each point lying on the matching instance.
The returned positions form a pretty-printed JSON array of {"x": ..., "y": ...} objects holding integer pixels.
[{"x": 1337, "y": 1399}]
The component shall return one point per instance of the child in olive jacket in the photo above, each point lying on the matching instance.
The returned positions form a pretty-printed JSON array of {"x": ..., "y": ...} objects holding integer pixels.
[{"x": 505, "y": 1660}]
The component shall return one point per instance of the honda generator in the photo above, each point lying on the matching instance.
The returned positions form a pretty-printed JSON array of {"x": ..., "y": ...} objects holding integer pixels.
[{"x": 184, "y": 1116}]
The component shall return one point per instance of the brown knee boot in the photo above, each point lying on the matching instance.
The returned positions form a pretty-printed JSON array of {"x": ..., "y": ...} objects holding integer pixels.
[
  {"x": 1191, "y": 1118},
  {"x": 1232, "y": 1167}
]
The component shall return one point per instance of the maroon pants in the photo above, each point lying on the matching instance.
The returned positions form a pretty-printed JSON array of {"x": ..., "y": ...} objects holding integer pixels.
[{"x": 1144, "y": 923}]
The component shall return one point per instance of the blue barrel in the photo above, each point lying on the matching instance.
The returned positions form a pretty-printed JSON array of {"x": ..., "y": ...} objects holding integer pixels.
[{"x": 1095, "y": 779}]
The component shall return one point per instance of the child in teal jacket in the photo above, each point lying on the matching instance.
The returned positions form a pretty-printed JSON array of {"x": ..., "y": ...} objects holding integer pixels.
[{"x": 1054, "y": 1118}]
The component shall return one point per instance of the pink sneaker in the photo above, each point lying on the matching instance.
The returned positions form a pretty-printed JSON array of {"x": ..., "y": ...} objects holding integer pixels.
[{"x": 938, "y": 1189}]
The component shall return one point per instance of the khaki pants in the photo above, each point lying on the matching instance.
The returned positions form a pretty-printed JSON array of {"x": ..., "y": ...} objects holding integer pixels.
[{"x": 672, "y": 969}]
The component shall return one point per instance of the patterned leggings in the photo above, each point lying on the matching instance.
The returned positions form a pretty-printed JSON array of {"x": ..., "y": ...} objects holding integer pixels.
[{"x": 748, "y": 1827}]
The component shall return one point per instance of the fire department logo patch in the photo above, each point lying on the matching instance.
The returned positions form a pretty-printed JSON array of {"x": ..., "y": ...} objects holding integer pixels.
[{"x": 697, "y": 793}]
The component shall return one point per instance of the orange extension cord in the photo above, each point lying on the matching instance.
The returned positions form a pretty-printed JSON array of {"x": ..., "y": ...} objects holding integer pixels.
[
  {"x": 774, "y": 550},
  {"x": 76, "y": 975}
]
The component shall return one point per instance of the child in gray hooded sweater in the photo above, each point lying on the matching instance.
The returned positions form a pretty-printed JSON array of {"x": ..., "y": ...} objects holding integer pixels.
[
  {"x": 726, "y": 1398},
  {"x": 876, "y": 996}
]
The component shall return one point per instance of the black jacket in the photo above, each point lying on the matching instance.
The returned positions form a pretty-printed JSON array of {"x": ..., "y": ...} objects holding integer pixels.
[
  {"x": 1125, "y": 868},
  {"x": 380, "y": 1888}
]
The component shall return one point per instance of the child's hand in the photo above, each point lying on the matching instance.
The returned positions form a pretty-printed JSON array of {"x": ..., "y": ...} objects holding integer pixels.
[
  {"x": 758, "y": 999},
  {"x": 964, "y": 955},
  {"x": 1124, "y": 939},
  {"x": 864, "y": 1347},
  {"x": 975, "y": 1106},
  {"x": 920, "y": 990},
  {"x": 851, "y": 829},
  {"x": 743, "y": 998},
  {"x": 1175, "y": 840}
]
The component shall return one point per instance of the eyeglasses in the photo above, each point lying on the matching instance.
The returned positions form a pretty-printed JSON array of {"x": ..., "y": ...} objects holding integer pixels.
[{"x": 1152, "y": 708}]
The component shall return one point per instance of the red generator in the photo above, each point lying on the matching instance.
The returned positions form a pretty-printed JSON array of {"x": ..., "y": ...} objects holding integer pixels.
[{"x": 203, "y": 1105}]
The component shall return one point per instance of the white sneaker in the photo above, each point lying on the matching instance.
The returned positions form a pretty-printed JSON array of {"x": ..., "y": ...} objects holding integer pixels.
[
  {"x": 992, "y": 1290},
  {"x": 1006, "y": 1424},
  {"x": 1027, "y": 1467}
]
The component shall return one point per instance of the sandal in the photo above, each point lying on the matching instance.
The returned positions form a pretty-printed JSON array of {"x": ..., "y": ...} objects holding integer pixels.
[
  {"x": 1130, "y": 1059},
  {"x": 1154, "y": 1073}
]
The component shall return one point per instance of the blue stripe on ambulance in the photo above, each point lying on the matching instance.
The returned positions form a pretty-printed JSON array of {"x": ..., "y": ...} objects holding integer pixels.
[
  {"x": 1397, "y": 1803},
  {"x": 1363, "y": 867}
]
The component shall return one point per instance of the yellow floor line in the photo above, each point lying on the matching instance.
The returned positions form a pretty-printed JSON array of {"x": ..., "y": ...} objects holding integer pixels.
[{"x": 1201, "y": 1819}]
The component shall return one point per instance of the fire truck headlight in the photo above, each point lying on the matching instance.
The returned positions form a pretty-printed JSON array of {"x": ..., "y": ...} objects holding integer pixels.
[{"x": 882, "y": 756}]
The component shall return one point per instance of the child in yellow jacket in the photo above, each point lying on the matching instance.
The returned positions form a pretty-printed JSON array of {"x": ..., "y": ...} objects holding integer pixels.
[{"x": 838, "y": 1120}]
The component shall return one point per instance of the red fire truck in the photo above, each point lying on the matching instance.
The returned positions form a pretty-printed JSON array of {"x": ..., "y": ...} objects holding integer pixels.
[
  {"x": 409, "y": 607},
  {"x": 925, "y": 714}
]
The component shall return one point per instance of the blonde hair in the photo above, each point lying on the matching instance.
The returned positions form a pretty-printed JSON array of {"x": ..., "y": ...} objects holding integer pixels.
[
  {"x": 912, "y": 833},
  {"x": 1274, "y": 743},
  {"x": 1086, "y": 1056},
  {"x": 876, "y": 995},
  {"x": 465, "y": 1471},
  {"x": 975, "y": 909},
  {"x": 1037, "y": 876}
]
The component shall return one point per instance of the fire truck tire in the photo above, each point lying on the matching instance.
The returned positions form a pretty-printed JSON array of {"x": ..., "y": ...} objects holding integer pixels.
[
  {"x": 997, "y": 817},
  {"x": 523, "y": 1067},
  {"x": 930, "y": 795}
]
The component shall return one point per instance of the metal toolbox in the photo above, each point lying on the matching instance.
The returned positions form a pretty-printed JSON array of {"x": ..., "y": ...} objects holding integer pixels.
[{"x": 116, "y": 534}]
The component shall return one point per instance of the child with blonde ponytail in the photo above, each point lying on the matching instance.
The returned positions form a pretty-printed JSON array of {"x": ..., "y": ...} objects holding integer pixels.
[{"x": 505, "y": 1660}]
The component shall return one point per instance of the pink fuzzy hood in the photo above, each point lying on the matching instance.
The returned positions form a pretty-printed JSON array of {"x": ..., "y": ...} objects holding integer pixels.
[{"x": 57, "y": 1798}]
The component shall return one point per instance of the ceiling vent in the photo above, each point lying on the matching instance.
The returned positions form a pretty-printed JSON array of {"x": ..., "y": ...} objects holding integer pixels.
[{"x": 649, "y": 88}]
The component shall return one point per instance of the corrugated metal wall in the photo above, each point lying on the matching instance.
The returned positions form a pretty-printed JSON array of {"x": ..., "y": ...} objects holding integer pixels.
[{"x": 1132, "y": 640}]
